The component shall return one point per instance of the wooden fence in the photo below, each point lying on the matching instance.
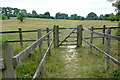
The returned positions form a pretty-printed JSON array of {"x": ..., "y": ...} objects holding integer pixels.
[
  {"x": 108, "y": 37},
  {"x": 103, "y": 35},
  {"x": 8, "y": 62},
  {"x": 20, "y": 32}
]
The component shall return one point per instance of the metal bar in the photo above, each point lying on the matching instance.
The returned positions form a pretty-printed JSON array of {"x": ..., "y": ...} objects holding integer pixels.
[
  {"x": 66, "y": 37},
  {"x": 72, "y": 36},
  {"x": 69, "y": 41}
]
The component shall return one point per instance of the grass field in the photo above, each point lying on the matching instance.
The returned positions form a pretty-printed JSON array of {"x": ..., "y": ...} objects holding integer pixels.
[{"x": 64, "y": 62}]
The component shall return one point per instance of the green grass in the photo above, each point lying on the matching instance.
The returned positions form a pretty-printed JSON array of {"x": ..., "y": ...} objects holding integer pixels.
[{"x": 83, "y": 65}]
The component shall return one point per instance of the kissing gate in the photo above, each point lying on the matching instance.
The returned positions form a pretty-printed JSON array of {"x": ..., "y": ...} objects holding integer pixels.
[
  {"x": 75, "y": 35},
  {"x": 8, "y": 62}
]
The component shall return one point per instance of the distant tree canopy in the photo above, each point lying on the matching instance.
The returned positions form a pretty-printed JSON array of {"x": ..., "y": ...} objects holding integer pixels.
[
  {"x": 117, "y": 5},
  {"x": 73, "y": 17},
  {"x": 61, "y": 16},
  {"x": 21, "y": 15},
  {"x": 8, "y": 12},
  {"x": 47, "y": 15},
  {"x": 92, "y": 16}
]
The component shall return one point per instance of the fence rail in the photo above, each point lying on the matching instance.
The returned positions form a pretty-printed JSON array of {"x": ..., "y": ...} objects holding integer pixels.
[
  {"x": 104, "y": 53},
  {"x": 5, "y": 32},
  {"x": 11, "y": 61},
  {"x": 23, "y": 54},
  {"x": 20, "y": 31},
  {"x": 105, "y": 28},
  {"x": 103, "y": 35},
  {"x": 41, "y": 63},
  {"x": 108, "y": 37}
]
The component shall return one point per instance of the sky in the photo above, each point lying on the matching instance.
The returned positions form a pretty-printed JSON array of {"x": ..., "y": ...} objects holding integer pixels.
[{"x": 79, "y": 7}]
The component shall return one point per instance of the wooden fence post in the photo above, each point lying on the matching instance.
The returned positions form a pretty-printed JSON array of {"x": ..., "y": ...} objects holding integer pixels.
[
  {"x": 107, "y": 49},
  {"x": 20, "y": 36},
  {"x": 79, "y": 35},
  {"x": 40, "y": 47},
  {"x": 48, "y": 39},
  {"x": 91, "y": 39},
  {"x": 7, "y": 54},
  {"x": 56, "y": 36},
  {"x": 103, "y": 39}
]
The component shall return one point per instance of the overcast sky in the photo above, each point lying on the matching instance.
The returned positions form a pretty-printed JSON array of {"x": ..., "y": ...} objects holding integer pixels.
[{"x": 80, "y": 7}]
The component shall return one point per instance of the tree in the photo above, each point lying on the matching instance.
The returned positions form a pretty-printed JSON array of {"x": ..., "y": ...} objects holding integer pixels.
[
  {"x": 47, "y": 15},
  {"x": 21, "y": 16},
  {"x": 7, "y": 11},
  {"x": 34, "y": 14},
  {"x": 112, "y": 17},
  {"x": 73, "y": 17},
  {"x": 61, "y": 16},
  {"x": 16, "y": 11},
  {"x": 117, "y": 5},
  {"x": 92, "y": 16},
  {"x": 3, "y": 17}
]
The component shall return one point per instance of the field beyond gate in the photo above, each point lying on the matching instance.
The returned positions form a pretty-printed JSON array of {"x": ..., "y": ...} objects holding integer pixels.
[{"x": 63, "y": 61}]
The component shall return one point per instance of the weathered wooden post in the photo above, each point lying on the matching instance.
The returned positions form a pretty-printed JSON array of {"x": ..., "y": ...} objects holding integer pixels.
[
  {"x": 119, "y": 46},
  {"x": 107, "y": 49},
  {"x": 20, "y": 36},
  {"x": 7, "y": 54},
  {"x": 91, "y": 39},
  {"x": 48, "y": 39},
  {"x": 103, "y": 39},
  {"x": 79, "y": 35},
  {"x": 40, "y": 47},
  {"x": 56, "y": 36}
]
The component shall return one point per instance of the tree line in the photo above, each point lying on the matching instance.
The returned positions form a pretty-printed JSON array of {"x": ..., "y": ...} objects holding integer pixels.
[{"x": 8, "y": 12}]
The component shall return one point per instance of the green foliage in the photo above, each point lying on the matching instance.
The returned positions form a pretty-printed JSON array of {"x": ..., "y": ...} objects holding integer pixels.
[
  {"x": 73, "y": 17},
  {"x": 115, "y": 73},
  {"x": 103, "y": 17},
  {"x": 34, "y": 14},
  {"x": 61, "y": 16},
  {"x": 13, "y": 12},
  {"x": 92, "y": 16},
  {"x": 3, "y": 17},
  {"x": 117, "y": 5},
  {"x": 112, "y": 17},
  {"x": 21, "y": 16},
  {"x": 47, "y": 15},
  {"x": 118, "y": 16}
]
